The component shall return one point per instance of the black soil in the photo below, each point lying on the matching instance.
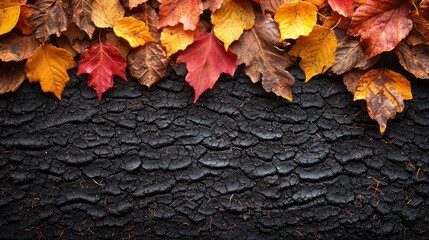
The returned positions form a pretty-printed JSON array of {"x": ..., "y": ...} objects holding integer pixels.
[{"x": 239, "y": 164}]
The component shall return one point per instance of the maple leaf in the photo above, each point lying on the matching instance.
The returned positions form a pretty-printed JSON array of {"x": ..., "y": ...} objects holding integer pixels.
[
  {"x": 16, "y": 47},
  {"x": 133, "y": 30},
  {"x": 82, "y": 10},
  {"x": 12, "y": 75},
  {"x": 384, "y": 91},
  {"x": 176, "y": 38},
  {"x": 24, "y": 24},
  {"x": 414, "y": 59},
  {"x": 134, "y": 3},
  {"x": 296, "y": 19},
  {"x": 212, "y": 5},
  {"x": 205, "y": 60},
  {"x": 9, "y": 15},
  {"x": 231, "y": 19},
  {"x": 48, "y": 65},
  {"x": 187, "y": 12},
  {"x": 259, "y": 49},
  {"x": 382, "y": 24},
  {"x": 317, "y": 51},
  {"x": 343, "y": 7},
  {"x": 52, "y": 18},
  {"x": 102, "y": 62},
  {"x": 105, "y": 13}
]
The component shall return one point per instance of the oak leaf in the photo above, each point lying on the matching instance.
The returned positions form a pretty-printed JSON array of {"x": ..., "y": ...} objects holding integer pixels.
[
  {"x": 81, "y": 10},
  {"x": 24, "y": 24},
  {"x": 48, "y": 65},
  {"x": 16, "y": 47},
  {"x": 105, "y": 13},
  {"x": 382, "y": 24},
  {"x": 12, "y": 75},
  {"x": 9, "y": 15},
  {"x": 187, "y": 12},
  {"x": 343, "y": 7},
  {"x": 414, "y": 59},
  {"x": 317, "y": 51},
  {"x": 258, "y": 48},
  {"x": 205, "y": 60},
  {"x": 384, "y": 91},
  {"x": 231, "y": 19},
  {"x": 102, "y": 62},
  {"x": 296, "y": 19},
  {"x": 176, "y": 38},
  {"x": 52, "y": 18},
  {"x": 133, "y": 30}
]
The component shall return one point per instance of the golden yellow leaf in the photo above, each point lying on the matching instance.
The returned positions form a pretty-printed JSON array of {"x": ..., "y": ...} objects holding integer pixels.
[
  {"x": 9, "y": 15},
  {"x": 105, "y": 13},
  {"x": 318, "y": 3},
  {"x": 133, "y": 30},
  {"x": 49, "y": 65},
  {"x": 176, "y": 38},
  {"x": 384, "y": 91},
  {"x": 317, "y": 51},
  {"x": 296, "y": 19},
  {"x": 231, "y": 19}
]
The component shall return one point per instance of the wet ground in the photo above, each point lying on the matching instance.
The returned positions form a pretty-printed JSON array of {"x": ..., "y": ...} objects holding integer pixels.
[{"x": 239, "y": 164}]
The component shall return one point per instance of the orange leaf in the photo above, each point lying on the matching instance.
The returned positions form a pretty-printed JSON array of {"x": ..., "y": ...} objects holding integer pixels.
[
  {"x": 176, "y": 38},
  {"x": 187, "y": 12},
  {"x": 133, "y": 30}
]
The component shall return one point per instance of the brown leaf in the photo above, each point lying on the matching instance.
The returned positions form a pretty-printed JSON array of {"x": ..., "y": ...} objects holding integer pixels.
[
  {"x": 424, "y": 8},
  {"x": 16, "y": 47},
  {"x": 259, "y": 49},
  {"x": 351, "y": 79},
  {"x": 23, "y": 24},
  {"x": 63, "y": 42},
  {"x": 414, "y": 59},
  {"x": 421, "y": 25},
  {"x": 52, "y": 18},
  {"x": 272, "y": 5},
  {"x": 73, "y": 33},
  {"x": 120, "y": 43},
  {"x": 415, "y": 38},
  {"x": 81, "y": 10},
  {"x": 12, "y": 75}
]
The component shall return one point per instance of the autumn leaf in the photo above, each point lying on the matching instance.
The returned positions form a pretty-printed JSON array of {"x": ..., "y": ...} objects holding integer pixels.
[
  {"x": 318, "y": 3},
  {"x": 414, "y": 59},
  {"x": 52, "y": 18},
  {"x": 12, "y": 75},
  {"x": 9, "y": 15},
  {"x": 259, "y": 49},
  {"x": 133, "y": 30},
  {"x": 424, "y": 8},
  {"x": 351, "y": 79},
  {"x": 173, "y": 12},
  {"x": 105, "y": 13},
  {"x": 205, "y": 60},
  {"x": 343, "y": 7},
  {"x": 102, "y": 62},
  {"x": 384, "y": 91},
  {"x": 212, "y": 5},
  {"x": 16, "y": 47},
  {"x": 382, "y": 24},
  {"x": 48, "y": 65},
  {"x": 81, "y": 10},
  {"x": 296, "y": 19},
  {"x": 134, "y": 3},
  {"x": 176, "y": 38},
  {"x": 421, "y": 25},
  {"x": 23, "y": 23},
  {"x": 317, "y": 51},
  {"x": 120, "y": 43},
  {"x": 272, "y": 5},
  {"x": 231, "y": 19}
]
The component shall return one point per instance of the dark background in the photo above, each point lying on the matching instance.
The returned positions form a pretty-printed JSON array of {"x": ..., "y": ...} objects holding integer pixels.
[{"x": 241, "y": 163}]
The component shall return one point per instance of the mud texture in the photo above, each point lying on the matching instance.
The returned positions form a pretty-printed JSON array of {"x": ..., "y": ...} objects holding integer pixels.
[{"x": 239, "y": 164}]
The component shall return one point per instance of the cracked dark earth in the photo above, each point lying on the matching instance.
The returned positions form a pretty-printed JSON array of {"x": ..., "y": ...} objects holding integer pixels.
[{"x": 239, "y": 164}]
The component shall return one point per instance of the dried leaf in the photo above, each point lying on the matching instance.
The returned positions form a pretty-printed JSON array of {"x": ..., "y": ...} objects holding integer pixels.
[
  {"x": 12, "y": 75},
  {"x": 424, "y": 9},
  {"x": 48, "y": 65},
  {"x": 259, "y": 49},
  {"x": 82, "y": 10},
  {"x": 414, "y": 59},
  {"x": 9, "y": 15},
  {"x": 317, "y": 51},
  {"x": 212, "y": 5},
  {"x": 384, "y": 91},
  {"x": 24, "y": 24},
  {"x": 296, "y": 19},
  {"x": 187, "y": 12},
  {"x": 102, "y": 62},
  {"x": 351, "y": 79},
  {"x": 134, "y": 3},
  {"x": 134, "y": 31},
  {"x": 120, "y": 43},
  {"x": 16, "y": 47},
  {"x": 343, "y": 7},
  {"x": 105, "y": 13},
  {"x": 176, "y": 38},
  {"x": 272, "y": 5}
]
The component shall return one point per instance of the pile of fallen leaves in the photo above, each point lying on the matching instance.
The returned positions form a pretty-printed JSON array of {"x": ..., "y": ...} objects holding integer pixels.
[{"x": 361, "y": 40}]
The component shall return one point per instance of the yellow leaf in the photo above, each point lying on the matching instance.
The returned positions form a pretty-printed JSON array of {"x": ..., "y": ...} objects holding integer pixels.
[
  {"x": 318, "y": 3},
  {"x": 317, "y": 51},
  {"x": 384, "y": 91},
  {"x": 48, "y": 65},
  {"x": 9, "y": 15},
  {"x": 176, "y": 38},
  {"x": 105, "y": 13},
  {"x": 134, "y": 31},
  {"x": 231, "y": 19},
  {"x": 295, "y": 19}
]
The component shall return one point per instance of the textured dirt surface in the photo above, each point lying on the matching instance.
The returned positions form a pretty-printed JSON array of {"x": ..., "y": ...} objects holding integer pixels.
[{"x": 240, "y": 163}]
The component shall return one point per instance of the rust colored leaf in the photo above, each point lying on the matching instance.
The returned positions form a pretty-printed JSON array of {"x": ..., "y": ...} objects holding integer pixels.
[
  {"x": 23, "y": 24},
  {"x": 384, "y": 91},
  {"x": 382, "y": 24},
  {"x": 343, "y": 7},
  {"x": 12, "y": 75},
  {"x": 414, "y": 59},
  {"x": 258, "y": 48},
  {"x": 52, "y": 18},
  {"x": 351, "y": 79},
  {"x": 81, "y": 10},
  {"x": 424, "y": 9},
  {"x": 187, "y": 12},
  {"x": 421, "y": 25},
  {"x": 16, "y": 47}
]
